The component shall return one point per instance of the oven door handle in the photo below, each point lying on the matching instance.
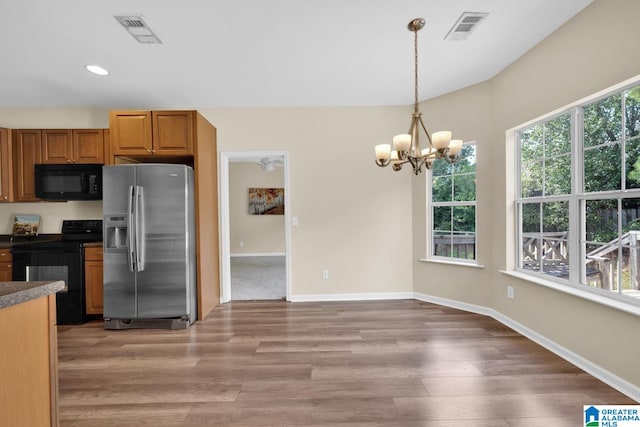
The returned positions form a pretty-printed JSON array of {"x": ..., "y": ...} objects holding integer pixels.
[
  {"x": 131, "y": 249},
  {"x": 140, "y": 229}
]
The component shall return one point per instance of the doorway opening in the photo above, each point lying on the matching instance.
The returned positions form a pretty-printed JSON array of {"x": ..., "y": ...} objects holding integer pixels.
[{"x": 254, "y": 226}]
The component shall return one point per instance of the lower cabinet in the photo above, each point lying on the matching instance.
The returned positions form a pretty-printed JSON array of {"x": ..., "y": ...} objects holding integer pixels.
[
  {"x": 29, "y": 364},
  {"x": 6, "y": 265},
  {"x": 93, "y": 269}
]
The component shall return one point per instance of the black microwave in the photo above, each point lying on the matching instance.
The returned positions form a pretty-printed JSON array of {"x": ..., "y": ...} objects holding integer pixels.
[{"x": 69, "y": 182}]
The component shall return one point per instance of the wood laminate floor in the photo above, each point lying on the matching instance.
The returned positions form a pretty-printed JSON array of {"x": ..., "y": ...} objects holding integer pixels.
[{"x": 388, "y": 363}]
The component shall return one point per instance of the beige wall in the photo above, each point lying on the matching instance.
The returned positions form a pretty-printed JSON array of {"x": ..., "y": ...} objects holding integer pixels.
[
  {"x": 51, "y": 214},
  {"x": 259, "y": 233},
  {"x": 594, "y": 50},
  {"x": 354, "y": 218}
]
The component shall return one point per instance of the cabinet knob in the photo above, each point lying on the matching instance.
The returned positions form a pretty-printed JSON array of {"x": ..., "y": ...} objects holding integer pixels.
[
  {"x": 148, "y": 151},
  {"x": 5, "y": 197},
  {"x": 69, "y": 161}
]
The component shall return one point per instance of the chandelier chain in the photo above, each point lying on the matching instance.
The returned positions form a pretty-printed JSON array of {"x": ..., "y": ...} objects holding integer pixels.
[{"x": 415, "y": 74}]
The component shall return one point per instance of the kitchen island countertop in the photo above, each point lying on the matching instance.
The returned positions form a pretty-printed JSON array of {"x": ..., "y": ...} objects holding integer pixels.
[{"x": 12, "y": 293}]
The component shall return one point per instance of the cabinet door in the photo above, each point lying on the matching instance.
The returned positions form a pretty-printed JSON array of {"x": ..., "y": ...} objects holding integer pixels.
[
  {"x": 6, "y": 169},
  {"x": 57, "y": 146},
  {"x": 26, "y": 153},
  {"x": 130, "y": 132},
  {"x": 88, "y": 146},
  {"x": 6, "y": 272},
  {"x": 172, "y": 132},
  {"x": 93, "y": 281},
  {"x": 5, "y": 265}
]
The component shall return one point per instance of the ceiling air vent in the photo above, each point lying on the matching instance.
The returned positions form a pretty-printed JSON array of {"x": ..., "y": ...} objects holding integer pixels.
[
  {"x": 138, "y": 29},
  {"x": 465, "y": 25}
]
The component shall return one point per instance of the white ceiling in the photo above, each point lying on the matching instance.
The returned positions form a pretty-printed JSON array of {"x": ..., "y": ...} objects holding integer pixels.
[{"x": 258, "y": 53}]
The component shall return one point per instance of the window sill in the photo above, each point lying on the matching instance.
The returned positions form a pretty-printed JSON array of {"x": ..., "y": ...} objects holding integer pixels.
[
  {"x": 452, "y": 262},
  {"x": 572, "y": 290}
]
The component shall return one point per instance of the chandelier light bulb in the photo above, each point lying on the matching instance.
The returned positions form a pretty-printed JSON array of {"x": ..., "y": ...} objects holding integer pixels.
[
  {"x": 402, "y": 142},
  {"x": 455, "y": 146},
  {"x": 441, "y": 139},
  {"x": 383, "y": 152}
]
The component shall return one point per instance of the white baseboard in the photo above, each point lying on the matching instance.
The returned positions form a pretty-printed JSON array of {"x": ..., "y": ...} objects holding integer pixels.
[
  {"x": 240, "y": 254},
  {"x": 352, "y": 297},
  {"x": 597, "y": 371}
]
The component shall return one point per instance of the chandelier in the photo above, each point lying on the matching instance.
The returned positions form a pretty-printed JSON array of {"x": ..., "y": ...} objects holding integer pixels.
[{"x": 407, "y": 145}]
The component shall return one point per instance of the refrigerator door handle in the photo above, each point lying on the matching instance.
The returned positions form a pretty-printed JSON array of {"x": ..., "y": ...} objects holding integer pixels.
[
  {"x": 131, "y": 249},
  {"x": 140, "y": 229}
]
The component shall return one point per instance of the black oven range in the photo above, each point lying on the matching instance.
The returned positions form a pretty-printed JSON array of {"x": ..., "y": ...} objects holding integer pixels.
[{"x": 58, "y": 257}]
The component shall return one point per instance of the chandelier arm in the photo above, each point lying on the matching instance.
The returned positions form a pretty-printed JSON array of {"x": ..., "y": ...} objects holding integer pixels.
[
  {"x": 424, "y": 128},
  {"x": 415, "y": 138},
  {"x": 413, "y": 161}
]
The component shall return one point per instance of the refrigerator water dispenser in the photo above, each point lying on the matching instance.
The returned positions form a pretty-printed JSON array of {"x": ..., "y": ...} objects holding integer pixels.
[{"x": 115, "y": 232}]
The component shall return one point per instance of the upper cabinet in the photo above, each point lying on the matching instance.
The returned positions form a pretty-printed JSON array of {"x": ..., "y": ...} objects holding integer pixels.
[
  {"x": 72, "y": 146},
  {"x": 6, "y": 167},
  {"x": 27, "y": 153},
  {"x": 151, "y": 133},
  {"x": 29, "y": 147}
]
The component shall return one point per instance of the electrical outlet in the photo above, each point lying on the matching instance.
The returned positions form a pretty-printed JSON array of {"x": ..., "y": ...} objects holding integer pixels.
[
  {"x": 325, "y": 274},
  {"x": 241, "y": 244},
  {"x": 510, "y": 293}
]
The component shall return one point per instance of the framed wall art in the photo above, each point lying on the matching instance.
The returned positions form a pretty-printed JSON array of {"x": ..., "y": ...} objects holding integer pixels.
[{"x": 266, "y": 201}]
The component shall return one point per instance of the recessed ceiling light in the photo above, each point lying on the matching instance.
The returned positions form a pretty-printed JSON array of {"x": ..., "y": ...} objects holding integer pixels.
[{"x": 96, "y": 69}]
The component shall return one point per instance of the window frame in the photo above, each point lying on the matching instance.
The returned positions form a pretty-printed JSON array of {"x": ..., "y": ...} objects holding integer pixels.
[
  {"x": 577, "y": 200},
  {"x": 430, "y": 204}
]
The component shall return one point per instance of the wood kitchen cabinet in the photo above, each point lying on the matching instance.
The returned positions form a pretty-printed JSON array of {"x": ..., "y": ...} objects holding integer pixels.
[
  {"x": 93, "y": 281},
  {"x": 72, "y": 146},
  {"x": 29, "y": 363},
  {"x": 6, "y": 265},
  {"x": 27, "y": 152},
  {"x": 30, "y": 147},
  {"x": 152, "y": 133},
  {"x": 6, "y": 167}
]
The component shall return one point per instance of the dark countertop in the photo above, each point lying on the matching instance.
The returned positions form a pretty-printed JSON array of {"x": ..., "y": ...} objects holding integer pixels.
[
  {"x": 93, "y": 245},
  {"x": 12, "y": 293},
  {"x": 6, "y": 242}
]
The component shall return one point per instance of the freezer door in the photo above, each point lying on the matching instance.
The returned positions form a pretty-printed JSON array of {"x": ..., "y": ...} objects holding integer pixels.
[
  {"x": 119, "y": 279},
  {"x": 165, "y": 208}
]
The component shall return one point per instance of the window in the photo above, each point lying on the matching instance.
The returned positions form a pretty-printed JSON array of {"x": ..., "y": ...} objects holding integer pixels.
[
  {"x": 453, "y": 207},
  {"x": 578, "y": 200}
]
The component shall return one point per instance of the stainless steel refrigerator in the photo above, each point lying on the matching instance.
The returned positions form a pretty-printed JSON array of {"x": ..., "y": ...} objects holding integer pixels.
[{"x": 149, "y": 246}]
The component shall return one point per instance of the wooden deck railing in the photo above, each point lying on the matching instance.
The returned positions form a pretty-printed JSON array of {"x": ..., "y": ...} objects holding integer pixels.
[
  {"x": 548, "y": 253},
  {"x": 458, "y": 246}
]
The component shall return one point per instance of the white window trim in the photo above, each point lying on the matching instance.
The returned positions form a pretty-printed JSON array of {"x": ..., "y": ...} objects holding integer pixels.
[
  {"x": 577, "y": 196},
  {"x": 430, "y": 257},
  {"x": 582, "y": 291}
]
